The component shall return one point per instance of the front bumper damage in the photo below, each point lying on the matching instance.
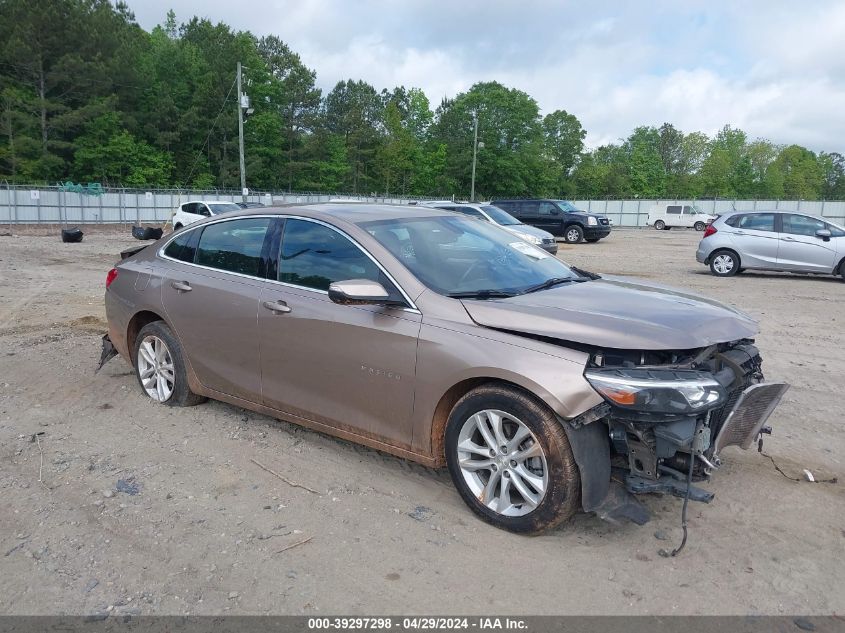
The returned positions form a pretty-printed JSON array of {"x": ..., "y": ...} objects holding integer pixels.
[{"x": 651, "y": 452}]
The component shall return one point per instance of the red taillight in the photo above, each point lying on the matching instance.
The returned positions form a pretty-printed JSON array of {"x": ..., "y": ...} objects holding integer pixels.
[
  {"x": 709, "y": 231},
  {"x": 111, "y": 277}
]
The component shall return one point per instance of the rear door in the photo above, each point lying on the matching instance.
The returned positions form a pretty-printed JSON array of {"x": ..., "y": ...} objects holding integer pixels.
[
  {"x": 800, "y": 249},
  {"x": 212, "y": 303},
  {"x": 688, "y": 216},
  {"x": 755, "y": 239},
  {"x": 349, "y": 367}
]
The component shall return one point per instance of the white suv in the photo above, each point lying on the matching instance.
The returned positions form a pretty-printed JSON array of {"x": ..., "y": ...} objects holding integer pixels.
[{"x": 198, "y": 209}]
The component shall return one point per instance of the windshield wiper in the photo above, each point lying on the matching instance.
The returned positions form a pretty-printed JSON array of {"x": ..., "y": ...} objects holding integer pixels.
[
  {"x": 481, "y": 294},
  {"x": 554, "y": 281}
]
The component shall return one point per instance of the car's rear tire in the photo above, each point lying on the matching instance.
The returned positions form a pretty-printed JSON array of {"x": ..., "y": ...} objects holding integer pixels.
[
  {"x": 659, "y": 225},
  {"x": 700, "y": 226},
  {"x": 573, "y": 234},
  {"x": 536, "y": 483},
  {"x": 842, "y": 269},
  {"x": 724, "y": 263},
  {"x": 160, "y": 367}
]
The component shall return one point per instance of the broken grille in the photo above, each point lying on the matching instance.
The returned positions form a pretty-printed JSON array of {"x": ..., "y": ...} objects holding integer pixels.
[{"x": 748, "y": 415}]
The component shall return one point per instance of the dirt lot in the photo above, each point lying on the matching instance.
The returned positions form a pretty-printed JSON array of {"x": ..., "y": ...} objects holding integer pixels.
[{"x": 198, "y": 528}]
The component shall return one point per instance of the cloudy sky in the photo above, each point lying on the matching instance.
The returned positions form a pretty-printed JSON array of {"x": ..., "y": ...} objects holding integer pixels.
[{"x": 775, "y": 69}]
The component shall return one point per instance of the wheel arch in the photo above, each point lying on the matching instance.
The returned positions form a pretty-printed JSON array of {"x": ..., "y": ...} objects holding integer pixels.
[
  {"x": 725, "y": 249},
  {"x": 450, "y": 398},
  {"x": 136, "y": 323}
]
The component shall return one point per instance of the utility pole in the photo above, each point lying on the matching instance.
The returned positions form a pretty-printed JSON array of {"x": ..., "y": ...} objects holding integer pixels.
[
  {"x": 241, "y": 133},
  {"x": 474, "y": 154}
]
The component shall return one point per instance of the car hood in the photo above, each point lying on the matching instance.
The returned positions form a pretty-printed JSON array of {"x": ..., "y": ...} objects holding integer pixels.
[
  {"x": 617, "y": 313},
  {"x": 528, "y": 230}
]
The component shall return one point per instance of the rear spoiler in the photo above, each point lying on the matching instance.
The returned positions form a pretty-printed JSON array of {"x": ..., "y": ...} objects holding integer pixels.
[{"x": 129, "y": 252}]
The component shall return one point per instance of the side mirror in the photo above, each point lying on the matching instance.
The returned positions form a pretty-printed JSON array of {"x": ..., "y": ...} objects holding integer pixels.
[
  {"x": 360, "y": 292},
  {"x": 824, "y": 234}
]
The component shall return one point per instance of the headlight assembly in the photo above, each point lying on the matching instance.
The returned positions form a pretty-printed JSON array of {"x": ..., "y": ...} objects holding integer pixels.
[
  {"x": 530, "y": 238},
  {"x": 657, "y": 390},
  {"x": 592, "y": 221}
]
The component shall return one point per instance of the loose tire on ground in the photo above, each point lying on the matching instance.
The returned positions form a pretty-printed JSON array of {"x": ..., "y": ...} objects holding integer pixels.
[
  {"x": 724, "y": 263},
  {"x": 573, "y": 234},
  {"x": 169, "y": 362},
  {"x": 561, "y": 495},
  {"x": 659, "y": 225}
]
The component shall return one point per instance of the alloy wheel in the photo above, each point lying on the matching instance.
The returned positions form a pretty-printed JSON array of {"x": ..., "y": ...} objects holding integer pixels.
[
  {"x": 155, "y": 368},
  {"x": 502, "y": 462},
  {"x": 572, "y": 235}
]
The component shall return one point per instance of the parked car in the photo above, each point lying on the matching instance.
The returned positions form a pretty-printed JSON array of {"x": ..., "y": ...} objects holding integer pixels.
[
  {"x": 250, "y": 205},
  {"x": 189, "y": 212},
  {"x": 666, "y": 216},
  {"x": 772, "y": 240},
  {"x": 441, "y": 339},
  {"x": 495, "y": 215},
  {"x": 558, "y": 217}
]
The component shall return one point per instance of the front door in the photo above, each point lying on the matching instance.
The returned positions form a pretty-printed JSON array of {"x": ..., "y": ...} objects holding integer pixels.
[
  {"x": 800, "y": 249},
  {"x": 211, "y": 296},
  {"x": 348, "y": 367}
]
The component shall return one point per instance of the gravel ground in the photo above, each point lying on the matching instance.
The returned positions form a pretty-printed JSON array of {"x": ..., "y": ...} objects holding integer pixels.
[{"x": 113, "y": 504}]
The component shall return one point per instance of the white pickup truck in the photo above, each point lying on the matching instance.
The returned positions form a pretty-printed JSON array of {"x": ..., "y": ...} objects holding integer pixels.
[{"x": 665, "y": 216}]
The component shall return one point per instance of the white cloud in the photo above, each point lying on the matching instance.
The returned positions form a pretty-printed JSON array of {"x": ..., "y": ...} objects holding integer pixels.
[{"x": 774, "y": 69}]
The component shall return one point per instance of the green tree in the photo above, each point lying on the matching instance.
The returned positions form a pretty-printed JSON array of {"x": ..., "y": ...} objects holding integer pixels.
[
  {"x": 802, "y": 174},
  {"x": 564, "y": 141}
]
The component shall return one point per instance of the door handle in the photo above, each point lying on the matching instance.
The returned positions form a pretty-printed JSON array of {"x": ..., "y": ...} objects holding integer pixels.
[
  {"x": 740, "y": 232},
  {"x": 181, "y": 286},
  {"x": 277, "y": 307},
  {"x": 788, "y": 239}
]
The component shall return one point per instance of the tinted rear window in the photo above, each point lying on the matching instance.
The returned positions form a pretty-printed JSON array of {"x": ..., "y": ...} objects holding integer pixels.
[
  {"x": 183, "y": 248},
  {"x": 233, "y": 246}
]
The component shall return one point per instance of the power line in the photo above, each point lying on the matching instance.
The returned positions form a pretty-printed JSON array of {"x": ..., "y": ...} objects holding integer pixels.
[{"x": 208, "y": 136}]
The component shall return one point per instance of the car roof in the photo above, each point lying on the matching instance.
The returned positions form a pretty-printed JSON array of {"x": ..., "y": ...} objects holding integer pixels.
[
  {"x": 208, "y": 202},
  {"x": 353, "y": 213}
]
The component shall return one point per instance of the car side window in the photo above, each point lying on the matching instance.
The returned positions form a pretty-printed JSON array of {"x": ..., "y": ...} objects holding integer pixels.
[
  {"x": 234, "y": 246},
  {"x": 757, "y": 222},
  {"x": 313, "y": 255},
  {"x": 547, "y": 208},
  {"x": 802, "y": 224},
  {"x": 688, "y": 210},
  {"x": 734, "y": 220},
  {"x": 189, "y": 207},
  {"x": 474, "y": 213},
  {"x": 201, "y": 209},
  {"x": 673, "y": 209},
  {"x": 184, "y": 247}
]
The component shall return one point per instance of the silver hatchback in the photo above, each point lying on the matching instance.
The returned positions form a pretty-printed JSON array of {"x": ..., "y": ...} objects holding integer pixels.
[{"x": 772, "y": 240}]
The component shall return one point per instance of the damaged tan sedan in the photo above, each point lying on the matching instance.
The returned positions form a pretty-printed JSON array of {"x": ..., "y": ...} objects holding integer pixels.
[{"x": 545, "y": 389}]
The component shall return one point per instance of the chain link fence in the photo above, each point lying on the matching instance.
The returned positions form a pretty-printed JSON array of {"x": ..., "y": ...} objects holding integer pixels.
[{"x": 21, "y": 204}]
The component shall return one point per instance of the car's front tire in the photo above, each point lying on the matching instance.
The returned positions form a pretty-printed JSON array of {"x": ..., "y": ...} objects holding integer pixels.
[
  {"x": 659, "y": 225},
  {"x": 510, "y": 459},
  {"x": 573, "y": 234},
  {"x": 724, "y": 263},
  {"x": 592, "y": 240},
  {"x": 160, "y": 367}
]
